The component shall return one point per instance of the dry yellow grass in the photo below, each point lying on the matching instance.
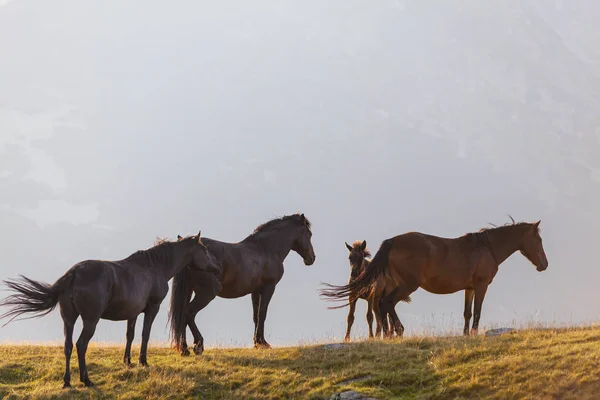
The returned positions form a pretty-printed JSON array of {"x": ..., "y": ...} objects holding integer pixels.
[{"x": 552, "y": 364}]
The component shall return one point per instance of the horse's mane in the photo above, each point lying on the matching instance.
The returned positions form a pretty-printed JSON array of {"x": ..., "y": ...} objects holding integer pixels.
[
  {"x": 358, "y": 244},
  {"x": 276, "y": 223},
  {"x": 160, "y": 253},
  {"x": 480, "y": 238}
]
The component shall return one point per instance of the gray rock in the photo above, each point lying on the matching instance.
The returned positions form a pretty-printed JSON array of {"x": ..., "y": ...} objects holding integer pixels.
[
  {"x": 350, "y": 395},
  {"x": 334, "y": 346},
  {"x": 499, "y": 331}
]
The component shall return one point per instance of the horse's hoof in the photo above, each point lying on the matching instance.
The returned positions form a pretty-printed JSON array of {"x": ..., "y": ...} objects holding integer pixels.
[
  {"x": 198, "y": 350},
  {"x": 67, "y": 385},
  {"x": 263, "y": 345},
  {"x": 347, "y": 339},
  {"x": 185, "y": 352},
  {"x": 144, "y": 364},
  {"x": 88, "y": 383}
]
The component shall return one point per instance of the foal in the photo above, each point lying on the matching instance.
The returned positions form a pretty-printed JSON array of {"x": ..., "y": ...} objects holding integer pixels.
[{"x": 359, "y": 263}]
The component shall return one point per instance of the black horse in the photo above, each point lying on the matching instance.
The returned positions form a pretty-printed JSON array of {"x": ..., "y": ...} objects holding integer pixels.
[
  {"x": 253, "y": 266},
  {"x": 113, "y": 290}
]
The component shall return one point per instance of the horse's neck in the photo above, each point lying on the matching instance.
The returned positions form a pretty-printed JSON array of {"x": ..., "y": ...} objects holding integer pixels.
[
  {"x": 276, "y": 243},
  {"x": 177, "y": 262},
  {"x": 504, "y": 242}
]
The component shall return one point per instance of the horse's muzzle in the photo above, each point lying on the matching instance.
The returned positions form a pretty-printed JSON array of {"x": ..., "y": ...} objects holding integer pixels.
[
  {"x": 541, "y": 268},
  {"x": 310, "y": 260}
]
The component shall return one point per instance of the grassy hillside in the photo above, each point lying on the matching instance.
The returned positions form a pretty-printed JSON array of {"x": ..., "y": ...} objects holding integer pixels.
[{"x": 531, "y": 364}]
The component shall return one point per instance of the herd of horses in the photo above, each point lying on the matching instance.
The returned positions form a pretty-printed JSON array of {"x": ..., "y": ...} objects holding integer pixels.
[{"x": 203, "y": 268}]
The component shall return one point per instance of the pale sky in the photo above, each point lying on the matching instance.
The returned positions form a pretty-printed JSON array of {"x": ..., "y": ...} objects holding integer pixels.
[{"x": 124, "y": 121}]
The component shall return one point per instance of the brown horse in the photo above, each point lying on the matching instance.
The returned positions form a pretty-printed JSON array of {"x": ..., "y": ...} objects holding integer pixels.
[
  {"x": 358, "y": 263},
  {"x": 253, "y": 266},
  {"x": 442, "y": 266}
]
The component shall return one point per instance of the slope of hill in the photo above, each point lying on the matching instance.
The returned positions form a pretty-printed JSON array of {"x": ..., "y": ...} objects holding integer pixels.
[{"x": 552, "y": 363}]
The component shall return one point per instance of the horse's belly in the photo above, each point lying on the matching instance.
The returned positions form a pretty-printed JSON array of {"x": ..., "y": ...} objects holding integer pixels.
[
  {"x": 445, "y": 286},
  {"x": 121, "y": 311}
]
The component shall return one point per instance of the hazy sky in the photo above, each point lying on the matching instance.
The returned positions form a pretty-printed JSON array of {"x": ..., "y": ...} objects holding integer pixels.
[{"x": 124, "y": 121}]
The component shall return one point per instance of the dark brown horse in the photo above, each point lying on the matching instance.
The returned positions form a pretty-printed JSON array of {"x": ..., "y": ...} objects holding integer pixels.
[
  {"x": 113, "y": 290},
  {"x": 253, "y": 266},
  {"x": 442, "y": 266}
]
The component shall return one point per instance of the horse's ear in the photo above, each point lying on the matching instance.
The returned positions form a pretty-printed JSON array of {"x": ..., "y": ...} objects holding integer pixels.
[
  {"x": 179, "y": 237},
  {"x": 199, "y": 234},
  {"x": 303, "y": 217},
  {"x": 537, "y": 224},
  {"x": 348, "y": 246},
  {"x": 364, "y": 245}
]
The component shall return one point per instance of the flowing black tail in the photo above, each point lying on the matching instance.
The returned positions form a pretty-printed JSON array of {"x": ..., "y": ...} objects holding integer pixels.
[
  {"x": 363, "y": 284},
  {"x": 180, "y": 297},
  {"x": 33, "y": 297}
]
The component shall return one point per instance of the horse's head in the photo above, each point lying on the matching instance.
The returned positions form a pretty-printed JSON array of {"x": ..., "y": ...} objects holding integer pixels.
[
  {"x": 531, "y": 247},
  {"x": 303, "y": 245},
  {"x": 200, "y": 258},
  {"x": 358, "y": 252}
]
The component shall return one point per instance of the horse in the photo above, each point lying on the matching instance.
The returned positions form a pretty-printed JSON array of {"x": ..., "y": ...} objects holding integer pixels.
[
  {"x": 112, "y": 290},
  {"x": 253, "y": 266},
  {"x": 359, "y": 263},
  {"x": 442, "y": 266}
]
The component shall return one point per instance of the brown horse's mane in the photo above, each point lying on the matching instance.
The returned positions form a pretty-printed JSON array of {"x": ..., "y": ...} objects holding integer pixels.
[
  {"x": 480, "y": 238},
  {"x": 358, "y": 244},
  {"x": 275, "y": 223}
]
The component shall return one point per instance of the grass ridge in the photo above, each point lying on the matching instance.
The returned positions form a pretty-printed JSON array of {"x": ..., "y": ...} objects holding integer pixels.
[{"x": 537, "y": 363}]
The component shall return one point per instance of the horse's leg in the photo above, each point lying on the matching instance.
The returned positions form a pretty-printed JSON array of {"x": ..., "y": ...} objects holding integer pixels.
[
  {"x": 201, "y": 300},
  {"x": 394, "y": 321},
  {"x": 383, "y": 317},
  {"x": 265, "y": 297},
  {"x": 350, "y": 320},
  {"x": 389, "y": 302},
  {"x": 469, "y": 293},
  {"x": 149, "y": 315},
  {"x": 377, "y": 312},
  {"x": 69, "y": 316},
  {"x": 480, "y": 291},
  {"x": 89, "y": 327},
  {"x": 255, "y": 305},
  {"x": 370, "y": 316},
  {"x": 130, "y": 334}
]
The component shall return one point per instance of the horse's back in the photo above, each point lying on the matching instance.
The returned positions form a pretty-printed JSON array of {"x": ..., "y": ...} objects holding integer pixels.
[
  {"x": 246, "y": 266},
  {"x": 412, "y": 244}
]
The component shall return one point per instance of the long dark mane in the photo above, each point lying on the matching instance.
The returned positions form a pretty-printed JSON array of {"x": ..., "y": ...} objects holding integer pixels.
[
  {"x": 160, "y": 253},
  {"x": 278, "y": 223}
]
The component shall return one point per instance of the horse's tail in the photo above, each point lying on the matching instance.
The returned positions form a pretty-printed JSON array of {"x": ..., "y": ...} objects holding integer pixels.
[
  {"x": 363, "y": 284},
  {"x": 33, "y": 297},
  {"x": 180, "y": 297}
]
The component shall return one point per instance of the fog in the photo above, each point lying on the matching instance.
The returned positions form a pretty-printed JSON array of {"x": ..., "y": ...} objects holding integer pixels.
[{"x": 124, "y": 121}]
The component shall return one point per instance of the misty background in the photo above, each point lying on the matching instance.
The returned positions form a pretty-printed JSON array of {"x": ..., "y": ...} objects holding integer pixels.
[{"x": 124, "y": 121}]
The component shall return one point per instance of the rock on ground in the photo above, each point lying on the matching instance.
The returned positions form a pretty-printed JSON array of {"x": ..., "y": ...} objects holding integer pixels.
[
  {"x": 334, "y": 346},
  {"x": 350, "y": 395},
  {"x": 499, "y": 331}
]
